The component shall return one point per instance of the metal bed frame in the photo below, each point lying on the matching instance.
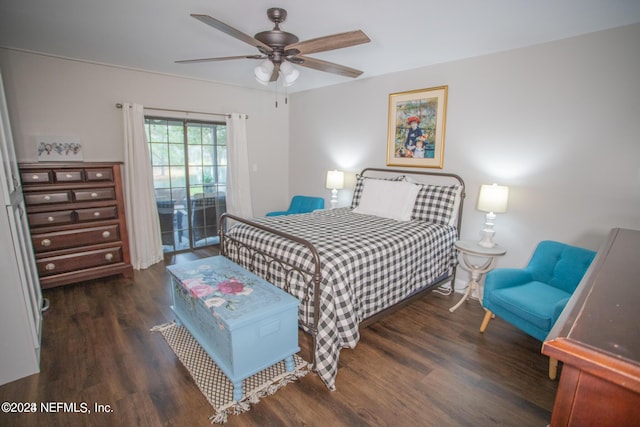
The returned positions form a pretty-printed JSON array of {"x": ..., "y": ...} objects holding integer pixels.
[{"x": 312, "y": 275}]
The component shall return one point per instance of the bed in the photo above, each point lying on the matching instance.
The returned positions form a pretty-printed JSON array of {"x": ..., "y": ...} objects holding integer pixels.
[{"x": 350, "y": 266}]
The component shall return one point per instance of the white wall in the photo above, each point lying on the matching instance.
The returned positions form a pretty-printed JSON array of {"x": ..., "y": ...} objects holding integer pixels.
[
  {"x": 559, "y": 123},
  {"x": 60, "y": 97}
]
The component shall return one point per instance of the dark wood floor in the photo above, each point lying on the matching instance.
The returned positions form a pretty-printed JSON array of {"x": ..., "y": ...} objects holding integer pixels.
[{"x": 420, "y": 366}]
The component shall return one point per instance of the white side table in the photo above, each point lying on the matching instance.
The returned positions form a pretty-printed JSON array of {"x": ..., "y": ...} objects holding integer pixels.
[{"x": 468, "y": 249}]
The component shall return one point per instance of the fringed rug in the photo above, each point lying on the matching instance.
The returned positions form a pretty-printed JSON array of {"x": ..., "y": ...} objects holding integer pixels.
[{"x": 215, "y": 385}]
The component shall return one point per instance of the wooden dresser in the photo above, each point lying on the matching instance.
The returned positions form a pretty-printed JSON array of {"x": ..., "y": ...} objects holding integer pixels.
[
  {"x": 597, "y": 337},
  {"x": 77, "y": 221}
]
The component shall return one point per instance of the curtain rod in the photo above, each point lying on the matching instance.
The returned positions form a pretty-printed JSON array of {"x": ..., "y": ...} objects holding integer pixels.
[{"x": 119, "y": 105}]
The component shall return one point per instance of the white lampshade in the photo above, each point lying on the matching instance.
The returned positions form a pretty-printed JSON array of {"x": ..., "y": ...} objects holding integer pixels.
[
  {"x": 493, "y": 198},
  {"x": 289, "y": 74},
  {"x": 263, "y": 72},
  {"x": 335, "y": 180}
]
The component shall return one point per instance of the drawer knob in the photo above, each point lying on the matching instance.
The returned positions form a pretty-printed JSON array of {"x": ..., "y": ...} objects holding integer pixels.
[
  {"x": 99, "y": 175},
  {"x": 69, "y": 175},
  {"x": 46, "y": 242},
  {"x": 96, "y": 214},
  {"x": 50, "y": 267},
  {"x": 94, "y": 194},
  {"x": 50, "y": 219},
  {"x": 35, "y": 177},
  {"x": 108, "y": 257},
  {"x": 106, "y": 234},
  {"x": 47, "y": 197}
]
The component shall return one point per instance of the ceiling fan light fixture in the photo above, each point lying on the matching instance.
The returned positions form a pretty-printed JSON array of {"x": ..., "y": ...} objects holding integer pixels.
[
  {"x": 289, "y": 74},
  {"x": 262, "y": 82},
  {"x": 263, "y": 72}
]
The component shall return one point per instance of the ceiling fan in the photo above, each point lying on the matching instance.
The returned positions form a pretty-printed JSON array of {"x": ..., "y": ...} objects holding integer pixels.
[{"x": 279, "y": 48}]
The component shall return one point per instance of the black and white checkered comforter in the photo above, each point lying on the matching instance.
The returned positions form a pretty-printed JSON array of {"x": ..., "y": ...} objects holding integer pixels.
[{"x": 368, "y": 263}]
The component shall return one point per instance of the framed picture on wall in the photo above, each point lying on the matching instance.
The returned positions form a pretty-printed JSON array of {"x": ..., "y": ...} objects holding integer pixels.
[
  {"x": 416, "y": 128},
  {"x": 59, "y": 149}
]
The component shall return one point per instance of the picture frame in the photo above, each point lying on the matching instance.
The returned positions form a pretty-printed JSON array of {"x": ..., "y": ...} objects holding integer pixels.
[
  {"x": 421, "y": 145},
  {"x": 59, "y": 149}
]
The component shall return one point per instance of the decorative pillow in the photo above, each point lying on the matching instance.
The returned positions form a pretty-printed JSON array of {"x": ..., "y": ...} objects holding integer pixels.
[
  {"x": 388, "y": 199},
  {"x": 437, "y": 204},
  {"x": 360, "y": 180}
]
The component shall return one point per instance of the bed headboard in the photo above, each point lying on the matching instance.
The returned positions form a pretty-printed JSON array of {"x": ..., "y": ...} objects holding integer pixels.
[{"x": 426, "y": 178}]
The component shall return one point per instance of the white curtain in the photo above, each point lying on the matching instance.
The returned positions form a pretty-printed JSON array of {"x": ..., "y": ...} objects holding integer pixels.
[
  {"x": 238, "y": 179},
  {"x": 143, "y": 224}
]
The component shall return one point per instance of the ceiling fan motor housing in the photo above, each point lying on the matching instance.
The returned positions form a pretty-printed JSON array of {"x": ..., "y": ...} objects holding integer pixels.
[{"x": 277, "y": 39}]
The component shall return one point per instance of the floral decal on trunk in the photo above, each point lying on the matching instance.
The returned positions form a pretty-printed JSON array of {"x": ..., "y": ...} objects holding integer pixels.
[{"x": 225, "y": 293}]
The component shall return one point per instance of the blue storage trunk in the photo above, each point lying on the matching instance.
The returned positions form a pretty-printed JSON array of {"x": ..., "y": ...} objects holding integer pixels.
[{"x": 243, "y": 322}]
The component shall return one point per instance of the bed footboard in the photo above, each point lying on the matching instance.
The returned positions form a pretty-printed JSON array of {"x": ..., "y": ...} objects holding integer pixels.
[{"x": 280, "y": 272}]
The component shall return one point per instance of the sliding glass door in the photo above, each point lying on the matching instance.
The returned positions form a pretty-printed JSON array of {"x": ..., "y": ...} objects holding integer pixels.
[{"x": 189, "y": 161}]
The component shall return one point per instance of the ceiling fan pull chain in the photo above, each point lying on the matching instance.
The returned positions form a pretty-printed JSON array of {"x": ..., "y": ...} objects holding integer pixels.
[{"x": 286, "y": 94}]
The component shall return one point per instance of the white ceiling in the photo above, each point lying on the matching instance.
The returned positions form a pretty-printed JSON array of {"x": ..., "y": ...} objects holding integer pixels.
[{"x": 405, "y": 34}]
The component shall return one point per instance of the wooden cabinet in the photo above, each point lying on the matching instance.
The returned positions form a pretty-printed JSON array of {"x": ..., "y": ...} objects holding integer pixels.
[
  {"x": 77, "y": 221},
  {"x": 596, "y": 338}
]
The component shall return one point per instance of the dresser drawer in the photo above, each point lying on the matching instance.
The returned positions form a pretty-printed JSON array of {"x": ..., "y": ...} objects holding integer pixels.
[
  {"x": 50, "y": 218},
  {"x": 47, "y": 198},
  {"x": 73, "y": 238},
  {"x": 99, "y": 174},
  {"x": 68, "y": 175},
  {"x": 72, "y": 262},
  {"x": 36, "y": 177},
  {"x": 95, "y": 194},
  {"x": 96, "y": 214}
]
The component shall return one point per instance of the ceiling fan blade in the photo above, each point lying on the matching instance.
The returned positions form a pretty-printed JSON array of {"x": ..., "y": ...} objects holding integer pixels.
[
  {"x": 274, "y": 74},
  {"x": 335, "y": 41},
  {"x": 227, "y": 29},
  {"x": 329, "y": 67},
  {"x": 222, "y": 58}
]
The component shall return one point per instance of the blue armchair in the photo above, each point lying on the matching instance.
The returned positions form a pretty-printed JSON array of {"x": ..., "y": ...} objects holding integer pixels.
[
  {"x": 533, "y": 298},
  {"x": 301, "y": 204}
]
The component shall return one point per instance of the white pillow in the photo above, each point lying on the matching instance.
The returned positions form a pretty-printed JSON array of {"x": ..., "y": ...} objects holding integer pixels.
[{"x": 388, "y": 199}]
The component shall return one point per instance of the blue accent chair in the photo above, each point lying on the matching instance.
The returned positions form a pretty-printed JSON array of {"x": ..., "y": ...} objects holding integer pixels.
[
  {"x": 301, "y": 204},
  {"x": 533, "y": 298}
]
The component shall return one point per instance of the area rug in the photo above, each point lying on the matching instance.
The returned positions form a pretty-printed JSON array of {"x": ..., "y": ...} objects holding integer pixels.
[{"x": 214, "y": 384}]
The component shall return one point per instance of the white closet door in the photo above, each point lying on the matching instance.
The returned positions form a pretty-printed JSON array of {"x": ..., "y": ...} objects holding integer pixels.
[{"x": 9, "y": 166}]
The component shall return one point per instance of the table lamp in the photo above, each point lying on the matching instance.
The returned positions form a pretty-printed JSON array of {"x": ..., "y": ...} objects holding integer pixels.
[
  {"x": 493, "y": 199},
  {"x": 335, "y": 182}
]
